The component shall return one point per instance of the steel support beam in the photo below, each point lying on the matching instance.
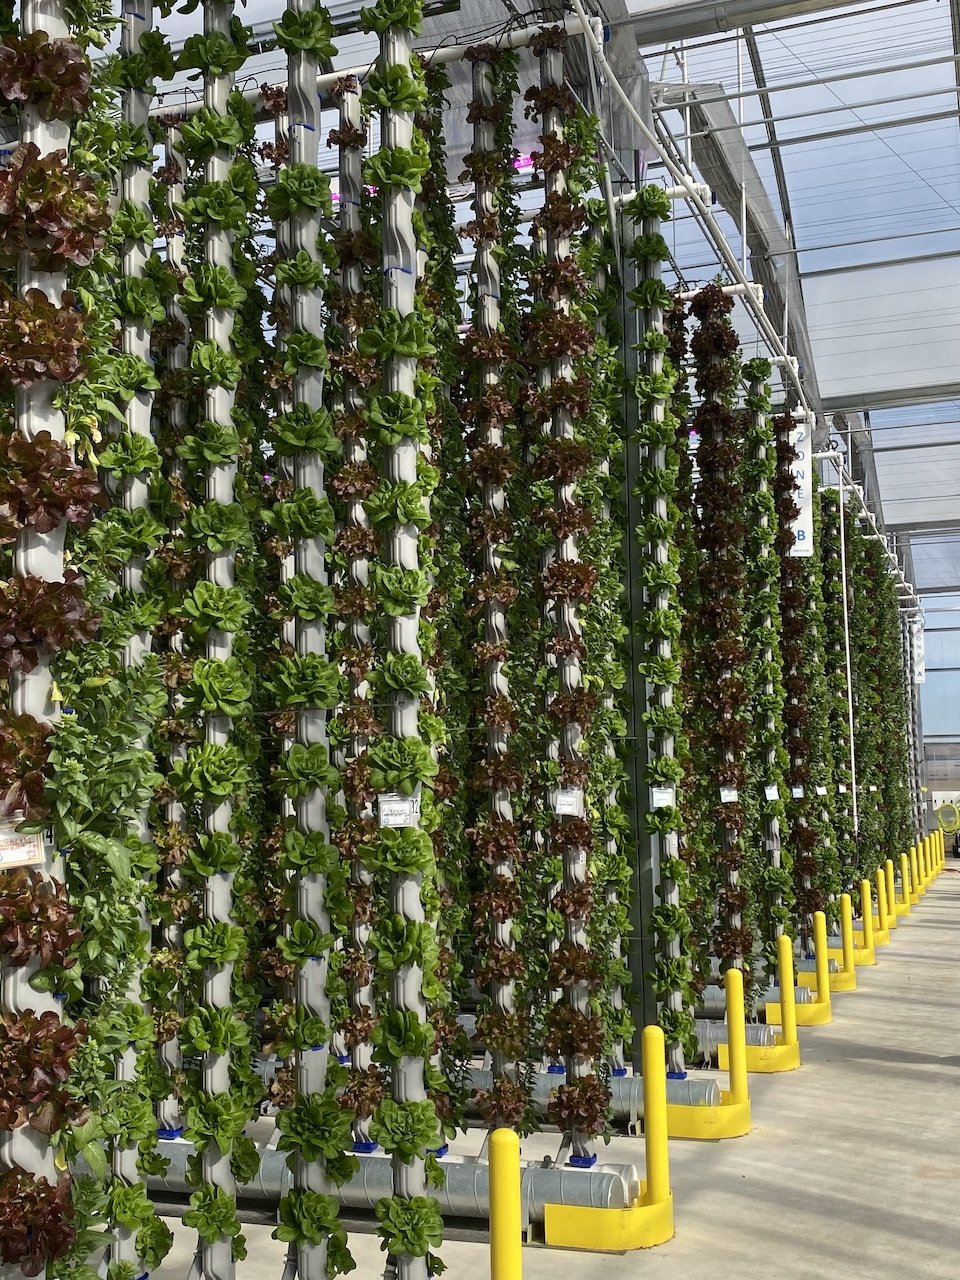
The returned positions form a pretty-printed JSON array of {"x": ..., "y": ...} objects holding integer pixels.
[
  {"x": 915, "y": 525},
  {"x": 676, "y": 20},
  {"x": 894, "y": 398}
]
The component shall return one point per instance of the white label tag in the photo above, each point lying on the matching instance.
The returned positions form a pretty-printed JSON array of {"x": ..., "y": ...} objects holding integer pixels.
[
  {"x": 842, "y": 787},
  {"x": 729, "y": 795},
  {"x": 821, "y": 791},
  {"x": 771, "y": 793},
  {"x": 801, "y": 437},
  {"x": 399, "y": 811},
  {"x": 662, "y": 798},
  {"x": 872, "y": 787},
  {"x": 18, "y": 850},
  {"x": 569, "y": 803},
  {"x": 797, "y": 793}
]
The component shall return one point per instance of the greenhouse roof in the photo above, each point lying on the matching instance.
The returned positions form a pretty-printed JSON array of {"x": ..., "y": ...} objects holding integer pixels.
[
  {"x": 841, "y": 125},
  {"x": 850, "y": 117}
]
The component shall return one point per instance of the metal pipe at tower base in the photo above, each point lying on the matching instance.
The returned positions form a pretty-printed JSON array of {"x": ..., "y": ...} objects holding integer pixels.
[
  {"x": 465, "y": 1193},
  {"x": 712, "y": 1032}
]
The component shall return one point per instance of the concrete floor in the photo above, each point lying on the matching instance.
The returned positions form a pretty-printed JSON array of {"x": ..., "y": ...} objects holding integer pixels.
[{"x": 851, "y": 1172}]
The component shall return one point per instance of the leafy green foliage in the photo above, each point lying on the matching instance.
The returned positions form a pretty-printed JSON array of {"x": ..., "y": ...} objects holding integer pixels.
[
  {"x": 213, "y": 286},
  {"x": 303, "y": 515},
  {"x": 210, "y": 771},
  {"x": 309, "y": 32},
  {"x": 215, "y": 1118},
  {"x": 212, "y": 607},
  {"x": 316, "y": 1127},
  {"x": 304, "y": 597},
  {"x": 301, "y": 270},
  {"x": 305, "y": 769},
  {"x": 400, "y": 1034},
  {"x": 216, "y": 54},
  {"x": 305, "y": 853},
  {"x": 400, "y": 167},
  {"x": 409, "y": 1225},
  {"x": 406, "y": 1129},
  {"x": 304, "y": 941},
  {"x": 304, "y": 680},
  {"x": 398, "y": 764},
  {"x": 217, "y": 527},
  {"x": 406, "y": 14},
  {"x": 397, "y": 417},
  {"x": 303, "y": 430},
  {"x": 298, "y": 188},
  {"x": 207, "y": 131},
  {"x": 215, "y": 943},
  {"x": 213, "y": 1215},
  {"x": 400, "y": 851},
  {"x": 222, "y": 686},
  {"x": 214, "y": 366},
  {"x": 307, "y": 1217},
  {"x": 212, "y": 444},
  {"x": 216, "y": 853},
  {"x": 129, "y": 454},
  {"x": 396, "y": 335},
  {"x": 396, "y": 88},
  {"x": 403, "y": 673}
]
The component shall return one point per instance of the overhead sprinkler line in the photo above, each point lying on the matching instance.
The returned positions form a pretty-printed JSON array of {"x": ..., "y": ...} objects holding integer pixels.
[
  {"x": 698, "y": 194},
  {"x": 593, "y": 31},
  {"x": 517, "y": 39}
]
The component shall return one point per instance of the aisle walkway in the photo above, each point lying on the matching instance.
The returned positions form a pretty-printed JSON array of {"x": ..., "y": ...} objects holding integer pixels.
[{"x": 852, "y": 1171}]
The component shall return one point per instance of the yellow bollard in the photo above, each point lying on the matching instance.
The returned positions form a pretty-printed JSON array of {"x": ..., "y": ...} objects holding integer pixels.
[
  {"x": 506, "y": 1230},
  {"x": 820, "y": 957},
  {"x": 847, "y": 980},
  {"x": 924, "y": 865},
  {"x": 788, "y": 998},
  {"x": 655, "y": 1116},
  {"x": 882, "y": 931},
  {"x": 641, "y": 1225},
  {"x": 903, "y": 906},
  {"x": 736, "y": 1036},
  {"x": 891, "y": 894},
  {"x": 914, "y": 876},
  {"x": 866, "y": 916}
]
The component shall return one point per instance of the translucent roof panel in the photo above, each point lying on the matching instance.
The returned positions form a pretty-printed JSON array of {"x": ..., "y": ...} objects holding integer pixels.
[
  {"x": 885, "y": 334},
  {"x": 855, "y": 138},
  {"x": 917, "y": 456}
]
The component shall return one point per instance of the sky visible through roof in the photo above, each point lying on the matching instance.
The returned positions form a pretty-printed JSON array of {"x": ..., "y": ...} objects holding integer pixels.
[{"x": 875, "y": 218}]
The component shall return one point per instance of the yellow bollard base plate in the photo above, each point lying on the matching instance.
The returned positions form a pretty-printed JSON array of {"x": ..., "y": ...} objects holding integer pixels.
[
  {"x": 766, "y": 1059},
  {"x": 609, "y": 1230},
  {"x": 861, "y": 955},
  {"x": 881, "y": 937},
  {"x": 903, "y": 909},
  {"x": 729, "y": 1120},
  {"x": 838, "y": 981},
  {"x": 808, "y": 1015}
]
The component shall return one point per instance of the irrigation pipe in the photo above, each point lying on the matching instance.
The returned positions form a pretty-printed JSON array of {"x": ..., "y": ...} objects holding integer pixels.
[{"x": 692, "y": 190}]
